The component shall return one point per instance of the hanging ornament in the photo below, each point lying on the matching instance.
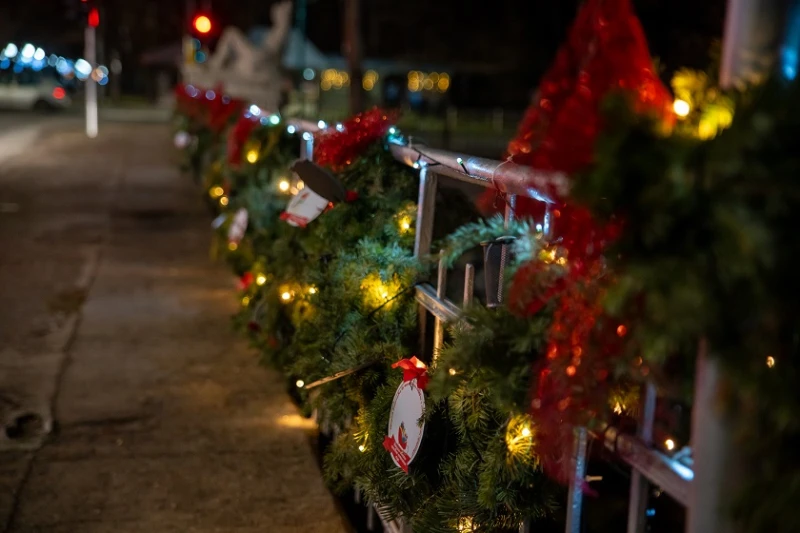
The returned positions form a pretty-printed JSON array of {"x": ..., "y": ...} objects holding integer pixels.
[
  {"x": 182, "y": 140},
  {"x": 321, "y": 190},
  {"x": 238, "y": 226},
  {"x": 406, "y": 425}
]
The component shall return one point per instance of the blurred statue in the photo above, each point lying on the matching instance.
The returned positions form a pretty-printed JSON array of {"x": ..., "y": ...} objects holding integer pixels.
[{"x": 247, "y": 70}]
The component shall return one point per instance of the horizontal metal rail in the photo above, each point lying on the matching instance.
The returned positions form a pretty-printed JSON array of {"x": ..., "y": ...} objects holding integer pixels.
[{"x": 506, "y": 176}]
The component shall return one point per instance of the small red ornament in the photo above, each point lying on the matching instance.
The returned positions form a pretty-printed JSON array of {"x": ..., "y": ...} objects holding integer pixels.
[{"x": 246, "y": 280}]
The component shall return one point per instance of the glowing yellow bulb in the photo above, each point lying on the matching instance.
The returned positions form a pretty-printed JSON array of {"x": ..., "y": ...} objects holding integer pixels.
[
  {"x": 561, "y": 261},
  {"x": 217, "y": 191},
  {"x": 618, "y": 408},
  {"x": 261, "y": 279},
  {"x": 384, "y": 295},
  {"x": 526, "y": 431},
  {"x": 681, "y": 107},
  {"x": 286, "y": 296},
  {"x": 362, "y": 448},
  {"x": 246, "y": 301},
  {"x": 223, "y": 200},
  {"x": 770, "y": 361},
  {"x": 252, "y": 156},
  {"x": 300, "y": 383},
  {"x": 300, "y": 185},
  {"x": 405, "y": 224},
  {"x": 670, "y": 444},
  {"x": 312, "y": 290},
  {"x": 232, "y": 246},
  {"x": 283, "y": 185},
  {"x": 453, "y": 372}
]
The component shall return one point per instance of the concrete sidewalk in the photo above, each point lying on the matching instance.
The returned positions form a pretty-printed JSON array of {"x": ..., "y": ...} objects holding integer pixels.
[{"x": 164, "y": 422}]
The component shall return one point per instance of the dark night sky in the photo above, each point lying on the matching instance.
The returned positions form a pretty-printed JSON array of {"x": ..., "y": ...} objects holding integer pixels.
[{"x": 520, "y": 36}]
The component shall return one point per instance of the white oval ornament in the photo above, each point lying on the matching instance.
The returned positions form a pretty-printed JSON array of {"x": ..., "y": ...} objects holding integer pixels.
[
  {"x": 405, "y": 424},
  {"x": 238, "y": 226},
  {"x": 182, "y": 140}
]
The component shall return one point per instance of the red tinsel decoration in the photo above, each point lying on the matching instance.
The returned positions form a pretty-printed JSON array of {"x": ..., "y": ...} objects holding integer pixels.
[
  {"x": 337, "y": 149},
  {"x": 238, "y": 137},
  {"x": 212, "y": 113},
  {"x": 605, "y": 51}
]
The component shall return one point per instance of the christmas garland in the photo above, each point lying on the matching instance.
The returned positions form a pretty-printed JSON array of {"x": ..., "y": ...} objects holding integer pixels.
[{"x": 667, "y": 242}]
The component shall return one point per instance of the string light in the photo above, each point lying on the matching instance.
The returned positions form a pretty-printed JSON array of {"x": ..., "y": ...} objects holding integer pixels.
[
  {"x": 232, "y": 246},
  {"x": 362, "y": 448},
  {"x": 770, "y": 361},
  {"x": 223, "y": 200},
  {"x": 245, "y": 301},
  {"x": 453, "y": 372},
  {"x": 519, "y": 436},
  {"x": 378, "y": 292},
  {"x": 681, "y": 107},
  {"x": 286, "y": 296},
  {"x": 405, "y": 224},
  {"x": 312, "y": 290},
  {"x": 618, "y": 408},
  {"x": 217, "y": 191},
  {"x": 465, "y": 524},
  {"x": 252, "y": 156},
  {"x": 670, "y": 444},
  {"x": 300, "y": 383},
  {"x": 284, "y": 185},
  {"x": 261, "y": 279}
]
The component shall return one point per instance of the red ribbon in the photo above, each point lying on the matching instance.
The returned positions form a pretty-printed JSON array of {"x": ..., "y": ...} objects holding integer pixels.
[{"x": 414, "y": 369}]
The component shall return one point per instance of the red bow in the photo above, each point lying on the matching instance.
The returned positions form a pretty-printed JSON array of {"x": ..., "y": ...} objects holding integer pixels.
[{"x": 414, "y": 369}]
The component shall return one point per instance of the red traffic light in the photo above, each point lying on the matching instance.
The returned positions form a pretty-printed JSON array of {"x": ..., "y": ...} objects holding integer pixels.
[
  {"x": 94, "y": 18},
  {"x": 202, "y": 24}
]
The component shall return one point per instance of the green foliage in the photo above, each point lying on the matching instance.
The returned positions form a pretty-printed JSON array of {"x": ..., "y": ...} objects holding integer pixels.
[
  {"x": 709, "y": 252},
  {"x": 338, "y": 295}
]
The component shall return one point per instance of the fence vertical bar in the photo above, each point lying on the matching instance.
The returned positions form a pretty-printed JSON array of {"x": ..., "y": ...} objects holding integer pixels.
[
  {"x": 639, "y": 486},
  {"x": 577, "y": 475},
  {"x": 469, "y": 284},
  {"x": 426, "y": 206},
  {"x": 441, "y": 285}
]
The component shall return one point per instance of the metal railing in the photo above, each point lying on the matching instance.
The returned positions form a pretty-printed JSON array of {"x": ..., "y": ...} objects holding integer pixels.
[{"x": 648, "y": 465}]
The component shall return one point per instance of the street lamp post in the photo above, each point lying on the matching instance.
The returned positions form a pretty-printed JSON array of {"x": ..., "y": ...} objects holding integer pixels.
[{"x": 90, "y": 52}]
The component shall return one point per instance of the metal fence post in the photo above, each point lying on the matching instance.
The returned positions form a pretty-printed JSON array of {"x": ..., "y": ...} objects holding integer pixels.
[{"x": 577, "y": 475}]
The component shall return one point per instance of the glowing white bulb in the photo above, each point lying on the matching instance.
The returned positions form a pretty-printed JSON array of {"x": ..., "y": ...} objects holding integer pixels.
[
  {"x": 286, "y": 296},
  {"x": 290, "y": 130},
  {"x": 11, "y": 50},
  {"x": 681, "y": 107},
  {"x": 28, "y": 50},
  {"x": 321, "y": 125},
  {"x": 38, "y": 55},
  {"x": 307, "y": 136},
  {"x": 453, "y": 372},
  {"x": 526, "y": 431},
  {"x": 362, "y": 448},
  {"x": 339, "y": 127},
  {"x": 261, "y": 279},
  {"x": 312, "y": 290},
  {"x": 283, "y": 185},
  {"x": 670, "y": 444},
  {"x": 300, "y": 383},
  {"x": 274, "y": 120},
  {"x": 255, "y": 110},
  {"x": 392, "y": 130}
]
